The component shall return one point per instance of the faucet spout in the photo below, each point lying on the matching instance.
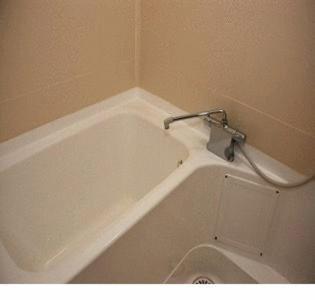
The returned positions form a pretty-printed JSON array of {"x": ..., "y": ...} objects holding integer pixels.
[{"x": 167, "y": 122}]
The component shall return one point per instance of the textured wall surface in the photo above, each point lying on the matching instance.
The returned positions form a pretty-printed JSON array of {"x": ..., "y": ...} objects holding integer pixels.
[
  {"x": 256, "y": 59},
  {"x": 58, "y": 56}
]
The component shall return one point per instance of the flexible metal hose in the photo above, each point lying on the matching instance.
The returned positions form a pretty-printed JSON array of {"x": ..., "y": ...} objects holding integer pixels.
[{"x": 268, "y": 179}]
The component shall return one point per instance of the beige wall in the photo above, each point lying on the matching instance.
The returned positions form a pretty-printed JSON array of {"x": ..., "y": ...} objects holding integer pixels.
[
  {"x": 58, "y": 56},
  {"x": 256, "y": 59}
]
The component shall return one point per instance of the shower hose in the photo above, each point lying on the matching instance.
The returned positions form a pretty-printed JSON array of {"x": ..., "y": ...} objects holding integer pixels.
[{"x": 268, "y": 179}]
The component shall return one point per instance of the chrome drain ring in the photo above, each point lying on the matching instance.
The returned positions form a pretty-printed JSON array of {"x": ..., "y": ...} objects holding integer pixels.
[{"x": 202, "y": 280}]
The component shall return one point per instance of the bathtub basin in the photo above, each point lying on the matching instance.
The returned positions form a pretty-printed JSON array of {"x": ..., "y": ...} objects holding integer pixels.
[
  {"x": 60, "y": 194},
  {"x": 60, "y": 189}
]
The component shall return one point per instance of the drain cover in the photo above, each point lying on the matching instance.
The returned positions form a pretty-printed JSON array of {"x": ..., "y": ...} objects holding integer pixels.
[{"x": 202, "y": 280}]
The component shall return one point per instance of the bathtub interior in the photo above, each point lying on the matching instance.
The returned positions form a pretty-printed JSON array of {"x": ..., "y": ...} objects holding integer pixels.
[{"x": 68, "y": 190}]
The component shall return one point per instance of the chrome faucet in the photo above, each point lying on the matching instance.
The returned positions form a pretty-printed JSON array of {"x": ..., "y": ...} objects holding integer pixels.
[{"x": 222, "y": 137}]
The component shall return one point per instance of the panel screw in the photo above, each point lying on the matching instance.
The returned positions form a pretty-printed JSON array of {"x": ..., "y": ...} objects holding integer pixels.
[{"x": 179, "y": 163}]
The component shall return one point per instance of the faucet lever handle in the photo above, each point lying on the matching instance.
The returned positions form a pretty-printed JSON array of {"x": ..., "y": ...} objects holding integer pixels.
[
  {"x": 204, "y": 114},
  {"x": 223, "y": 121}
]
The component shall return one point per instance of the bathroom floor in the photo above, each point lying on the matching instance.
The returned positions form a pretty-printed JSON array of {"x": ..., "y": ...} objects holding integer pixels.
[{"x": 205, "y": 264}]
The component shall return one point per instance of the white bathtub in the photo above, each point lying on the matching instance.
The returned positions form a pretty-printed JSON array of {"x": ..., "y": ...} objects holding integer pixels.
[
  {"x": 77, "y": 183},
  {"x": 71, "y": 188},
  {"x": 80, "y": 184}
]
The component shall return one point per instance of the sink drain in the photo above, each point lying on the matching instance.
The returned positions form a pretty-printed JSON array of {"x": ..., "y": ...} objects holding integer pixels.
[{"x": 202, "y": 280}]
